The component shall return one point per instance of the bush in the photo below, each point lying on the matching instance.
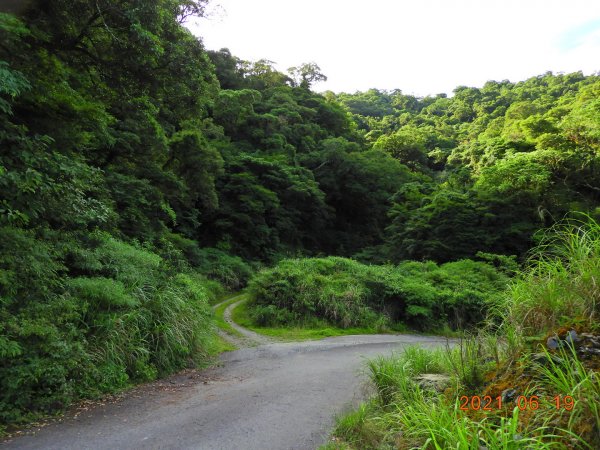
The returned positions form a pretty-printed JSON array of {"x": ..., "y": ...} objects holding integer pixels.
[
  {"x": 101, "y": 293},
  {"x": 324, "y": 288},
  {"x": 119, "y": 318},
  {"x": 346, "y": 293},
  {"x": 560, "y": 285},
  {"x": 556, "y": 292},
  {"x": 231, "y": 271},
  {"x": 41, "y": 347}
]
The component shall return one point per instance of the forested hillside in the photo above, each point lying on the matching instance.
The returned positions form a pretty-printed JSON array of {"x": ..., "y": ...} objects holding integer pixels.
[
  {"x": 141, "y": 175},
  {"x": 495, "y": 163}
]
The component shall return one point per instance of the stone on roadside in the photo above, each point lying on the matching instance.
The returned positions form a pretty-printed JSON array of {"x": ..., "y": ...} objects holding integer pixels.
[
  {"x": 508, "y": 395},
  {"x": 572, "y": 337},
  {"x": 552, "y": 343},
  {"x": 433, "y": 381}
]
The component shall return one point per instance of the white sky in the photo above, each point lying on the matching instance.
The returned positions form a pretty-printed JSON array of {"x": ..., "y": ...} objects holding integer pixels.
[{"x": 419, "y": 46}]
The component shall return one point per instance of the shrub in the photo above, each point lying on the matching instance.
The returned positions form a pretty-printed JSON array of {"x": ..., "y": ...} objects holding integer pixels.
[
  {"x": 346, "y": 293},
  {"x": 41, "y": 348},
  {"x": 231, "y": 271},
  {"x": 557, "y": 289},
  {"x": 561, "y": 283},
  {"x": 324, "y": 288},
  {"x": 101, "y": 292},
  {"x": 119, "y": 318}
]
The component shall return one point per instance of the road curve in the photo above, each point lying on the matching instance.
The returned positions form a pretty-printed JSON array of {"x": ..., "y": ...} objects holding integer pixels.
[
  {"x": 274, "y": 396},
  {"x": 249, "y": 335}
]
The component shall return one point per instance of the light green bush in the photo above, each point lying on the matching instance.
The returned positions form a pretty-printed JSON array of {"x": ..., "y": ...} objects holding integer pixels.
[
  {"x": 347, "y": 293},
  {"x": 122, "y": 316},
  {"x": 229, "y": 270}
]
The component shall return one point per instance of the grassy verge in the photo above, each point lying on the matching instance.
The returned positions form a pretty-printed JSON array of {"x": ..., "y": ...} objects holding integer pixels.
[
  {"x": 407, "y": 413},
  {"x": 242, "y": 317},
  {"x": 222, "y": 345},
  {"x": 219, "y": 312},
  {"x": 348, "y": 294},
  {"x": 215, "y": 300},
  {"x": 530, "y": 380}
]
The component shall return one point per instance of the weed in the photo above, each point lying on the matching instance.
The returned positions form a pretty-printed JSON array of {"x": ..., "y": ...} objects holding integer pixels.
[{"x": 559, "y": 287}]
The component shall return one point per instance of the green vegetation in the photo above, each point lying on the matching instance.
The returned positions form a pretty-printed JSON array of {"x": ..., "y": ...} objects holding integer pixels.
[
  {"x": 220, "y": 310},
  {"x": 560, "y": 285},
  {"x": 495, "y": 164},
  {"x": 346, "y": 293},
  {"x": 124, "y": 315},
  {"x": 513, "y": 355},
  {"x": 142, "y": 176},
  {"x": 316, "y": 330}
]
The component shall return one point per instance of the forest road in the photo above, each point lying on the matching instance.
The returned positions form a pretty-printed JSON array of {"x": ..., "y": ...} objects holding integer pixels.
[{"x": 273, "y": 396}]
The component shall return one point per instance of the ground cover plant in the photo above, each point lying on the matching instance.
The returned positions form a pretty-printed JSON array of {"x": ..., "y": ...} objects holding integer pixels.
[
  {"x": 123, "y": 316},
  {"x": 345, "y": 293},
  {"x": 539, "y": 369},
  {"x": 314, "y": 329}
]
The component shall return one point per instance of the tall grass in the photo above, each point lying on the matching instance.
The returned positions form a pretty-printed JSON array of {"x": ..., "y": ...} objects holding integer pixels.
[
  {"x": 558, "y": 288},
  {"x": 562, "y": 282},
  {"x": 407, "y": 416},
  {"x": 441, "y": 425},
  {"x": 122, "y": 315},
  {"x": 568, "y": 376},
  {"x": 345, "y": 293}
]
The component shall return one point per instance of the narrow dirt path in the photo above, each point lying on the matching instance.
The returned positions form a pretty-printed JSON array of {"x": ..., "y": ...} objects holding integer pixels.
[
  {"x": 251, "y": 336},
  {"x": 237, "y": 341},
  {"x": 244, "y": 338},
  {"x": 275, "y": 396}
]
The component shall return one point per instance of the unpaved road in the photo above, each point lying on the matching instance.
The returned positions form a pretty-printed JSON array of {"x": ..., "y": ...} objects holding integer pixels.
[
  {"x": 273, "y": 396},
  {"x": 246, "y": 338}
]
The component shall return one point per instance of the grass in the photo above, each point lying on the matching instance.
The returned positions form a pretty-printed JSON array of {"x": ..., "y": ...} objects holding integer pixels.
[
  {"x": 222, "y": 345},
  {"x": 215, "y": 300},
  {"x": 348, "y": 294},
  {"x": 404, "y": 415},
  {"x": 219, "y": 312},
  {"x": 558, "y": 291},
  {"x": 241, "y": 316},
  {"x": 561, "y": 284},
  {"x": 568, "y": 376}
]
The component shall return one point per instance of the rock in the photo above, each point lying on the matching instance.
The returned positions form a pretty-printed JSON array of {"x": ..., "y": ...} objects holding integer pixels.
[
  {"x": 572, "y": 337},
  {"x": 433, "y": 381},
  {"x": 587, "y": 339},
  {"x": 591, "y": 340},
  {"x": 589, "y": 345},
  {"x": 508, "y": 395},
  {"x": 589, "y": 351},
  {"x": 544, "y": 358},
  {"x": 552, "y": 343}
]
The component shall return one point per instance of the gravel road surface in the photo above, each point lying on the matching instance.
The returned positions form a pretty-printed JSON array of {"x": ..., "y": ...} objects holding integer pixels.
[{"x": 272, "y": 396}]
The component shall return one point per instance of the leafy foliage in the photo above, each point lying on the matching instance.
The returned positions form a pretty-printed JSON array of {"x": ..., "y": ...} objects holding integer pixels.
[
  {"x": 122, "y": 319},
  {"x": 552, "y": 295},
  {"x": 346, "y": 293},
  {"x": 502, "y": 161},
  {"x": 132, "y": 160}
]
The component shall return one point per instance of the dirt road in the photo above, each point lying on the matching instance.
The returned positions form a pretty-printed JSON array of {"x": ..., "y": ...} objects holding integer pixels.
[{"x": 271, "y": 396}]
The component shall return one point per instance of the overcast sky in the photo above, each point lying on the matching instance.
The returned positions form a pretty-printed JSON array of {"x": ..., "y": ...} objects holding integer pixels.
[{"x": 419, "y": 46}]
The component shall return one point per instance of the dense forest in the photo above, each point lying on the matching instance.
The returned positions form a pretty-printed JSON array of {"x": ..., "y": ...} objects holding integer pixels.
[{"x": 142, "y": 175}]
